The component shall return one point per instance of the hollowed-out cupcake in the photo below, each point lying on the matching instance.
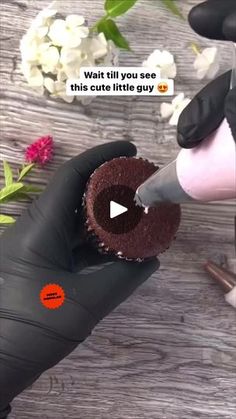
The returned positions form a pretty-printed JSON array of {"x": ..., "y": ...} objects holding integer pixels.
[{"x": 115, "y": 223}]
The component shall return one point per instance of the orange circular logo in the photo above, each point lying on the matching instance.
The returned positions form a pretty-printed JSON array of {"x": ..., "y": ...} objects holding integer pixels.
[
  {"x": 52, "y": 296},
  {"x": 162, "y": 87}
]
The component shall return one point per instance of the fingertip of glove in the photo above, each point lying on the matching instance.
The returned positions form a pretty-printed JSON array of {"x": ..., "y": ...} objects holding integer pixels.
[
  {"x": 206, "y": 18},
  {"x": 181, "y": 139},
  {"x": 229, "y": 27},
  {"x": 125, "y": 147},
  {"x": 185, "y": 142}
]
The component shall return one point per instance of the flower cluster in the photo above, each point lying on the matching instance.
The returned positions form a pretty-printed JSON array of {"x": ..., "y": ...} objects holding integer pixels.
[
  {"x": 54, "y": 49},
  {"x": 162, "y": 61},
  {"x": 41, "y": 151}
]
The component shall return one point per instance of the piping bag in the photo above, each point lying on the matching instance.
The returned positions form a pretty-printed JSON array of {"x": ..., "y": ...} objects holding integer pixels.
[{"x": 201, "y": 174}]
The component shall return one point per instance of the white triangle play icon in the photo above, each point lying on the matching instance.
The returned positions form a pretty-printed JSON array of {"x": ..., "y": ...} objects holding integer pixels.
[{"x": 116, "y": 209}]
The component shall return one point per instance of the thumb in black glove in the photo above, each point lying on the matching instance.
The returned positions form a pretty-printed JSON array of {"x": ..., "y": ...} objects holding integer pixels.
[
  {"x": 214, "y": 19},
  {"x": 46, "y": 246},
  {"x": 206, "y": 111}
]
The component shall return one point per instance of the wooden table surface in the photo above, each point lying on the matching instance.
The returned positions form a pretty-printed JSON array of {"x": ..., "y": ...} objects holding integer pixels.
[{"x": 169, "y": 352}]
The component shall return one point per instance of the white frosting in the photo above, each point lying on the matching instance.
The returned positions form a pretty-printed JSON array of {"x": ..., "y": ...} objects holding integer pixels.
[
  {"x": 146, "y": 209},
  {"x": 230, "y": 297}
]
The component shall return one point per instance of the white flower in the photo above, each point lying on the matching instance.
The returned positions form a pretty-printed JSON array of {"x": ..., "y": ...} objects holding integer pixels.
[
  {"x": 57, "y": 88},
  {"x": 163, "y": 61},
  {"x": 68, "y": 32},
  {"x": 33, "y": 75},
  {"x": 174, "y": 109},
  {"x": 207, "y": 63},
  {"x": 50, "y": 59},
  {"x": 54, "y": 50}
]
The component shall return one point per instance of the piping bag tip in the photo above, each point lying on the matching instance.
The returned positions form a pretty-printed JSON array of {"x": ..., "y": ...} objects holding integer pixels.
[
  {"x": 162, "y": 186},
  {"x": 225, "y": 278}
]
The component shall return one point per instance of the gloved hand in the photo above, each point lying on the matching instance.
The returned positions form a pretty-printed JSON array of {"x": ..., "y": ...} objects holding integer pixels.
[
  {"x": 214, "y": 19},
  {"x": 47, "y": 246}
]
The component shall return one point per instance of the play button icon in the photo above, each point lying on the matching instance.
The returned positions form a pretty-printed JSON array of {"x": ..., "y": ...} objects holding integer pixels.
[{"x": 116, "y": 209}]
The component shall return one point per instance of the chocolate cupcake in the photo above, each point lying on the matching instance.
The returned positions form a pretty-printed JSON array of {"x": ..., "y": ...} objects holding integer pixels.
[{"x": 114, "y": 221}]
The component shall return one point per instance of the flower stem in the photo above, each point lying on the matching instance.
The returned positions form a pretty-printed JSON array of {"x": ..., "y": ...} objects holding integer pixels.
[
  {"x": 195, "y": 48},
  {"x": 94, "y": 27}
]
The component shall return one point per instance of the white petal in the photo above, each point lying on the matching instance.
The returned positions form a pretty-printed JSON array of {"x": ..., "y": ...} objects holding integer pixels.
[
  {"x": 154, "y": 58},
  {"x": 210, "y": 54},
  {"x": 49, "y": 11},
  {"x": 42, "y": 31},
  {"x": 97, "y": 48},
  {"x": 166, "y": 110},
  {"x": 82, "y": 31},
  {"x": 49, "y": 84},
  {"x": 178, "y": 99},
  {"x": 165, "y": 58},
  {"x": 44, "y": 46},
  {"x": 151, "y": 61},
  {"x": 101, "y": 37},
  {"x": 71, "y": 39},
  {"x": 30, "y": 51},
  {"x": 26, "y": 68},
  {"x": 74, "y": 20},
  {"x": 60, "y": 91},
  {"x": 213, "y": 70},
  {"x": 38, "y": 21},
  {"x": 201, "y": 73},
  {"x": 168, "y": 71},
  {"x": 68, "y": 99},
  {"x": 71, "y": 71},
  {"x": 207, "y": 63},
  {"x": 51, "y": 55},
  {"x": 175, "y": 117},
  {"x": 60, "y": 87},
  {"x": 185, "y": 103},
  {"x": 201, "y": 62},
  {"x": 88, "y": 62},
  {"x": 70, "y": 55},
  {"x": 35, "y": 78},
  {"x": 58, "y": 32}
]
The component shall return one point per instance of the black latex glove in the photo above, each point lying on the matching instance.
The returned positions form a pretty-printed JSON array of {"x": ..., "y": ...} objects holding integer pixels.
[
  {"x": 47, "y": 245},
  {"x": 214, "y": 19}
]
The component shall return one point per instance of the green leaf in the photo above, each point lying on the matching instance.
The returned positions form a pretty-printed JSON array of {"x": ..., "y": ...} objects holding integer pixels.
[
  {"x": 171, "y": 5},
  {"x": 6, "y": 219},
  {"x": 20, "y": 196},
  {"x": 111, "y": 31},
  {"x": 30, "y": 189},
  {"x": 10, "y": 190},
  {"x": 116, "y": 8},
  {"x": 7, "y": 173},
  {"x": 25, "y": 170}
]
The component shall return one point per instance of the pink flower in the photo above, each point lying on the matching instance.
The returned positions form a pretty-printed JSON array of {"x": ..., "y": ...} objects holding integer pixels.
[{"x": 41, "y": 151}]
